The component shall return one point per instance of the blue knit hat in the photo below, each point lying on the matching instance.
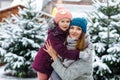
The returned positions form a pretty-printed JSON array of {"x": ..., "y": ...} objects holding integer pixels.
[{"x": 80, "y": 22}]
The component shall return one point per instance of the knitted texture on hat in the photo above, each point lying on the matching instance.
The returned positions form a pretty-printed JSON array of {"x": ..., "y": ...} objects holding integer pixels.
[
  {"x": 62, "y": 13},
  {"x": 80, "y": 22}
]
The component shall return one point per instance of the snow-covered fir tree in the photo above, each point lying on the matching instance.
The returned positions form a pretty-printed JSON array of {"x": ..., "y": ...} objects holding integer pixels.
[
  {"x": 105, "y": 34},
  {"x": 21, "y": 37}
]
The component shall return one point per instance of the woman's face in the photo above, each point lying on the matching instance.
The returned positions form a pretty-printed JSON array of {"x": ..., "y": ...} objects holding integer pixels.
[
  {"x": 75, "y": 32},
  {"x": 64, "y": 24}
]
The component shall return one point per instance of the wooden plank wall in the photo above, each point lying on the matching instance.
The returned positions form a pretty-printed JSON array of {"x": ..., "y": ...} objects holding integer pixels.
[{"x": 7, "y": 12}]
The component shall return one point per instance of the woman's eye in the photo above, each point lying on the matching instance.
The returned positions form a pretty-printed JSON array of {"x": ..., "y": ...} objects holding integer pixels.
[
  {"x": 78, "y": 28},
  {"x": 71, "y": 27}
]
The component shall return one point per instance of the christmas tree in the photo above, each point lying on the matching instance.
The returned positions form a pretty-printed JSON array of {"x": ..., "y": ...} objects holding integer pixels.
[
  {"x": 21, "y": 37},
  {"x": 105, "y": 34}
]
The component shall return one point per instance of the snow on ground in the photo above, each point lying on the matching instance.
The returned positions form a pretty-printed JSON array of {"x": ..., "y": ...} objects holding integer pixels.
[{"x": 4, "y": 77}]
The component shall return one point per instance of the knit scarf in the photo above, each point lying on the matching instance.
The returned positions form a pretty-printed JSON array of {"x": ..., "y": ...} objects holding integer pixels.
[{"x": 71, "y": 43}]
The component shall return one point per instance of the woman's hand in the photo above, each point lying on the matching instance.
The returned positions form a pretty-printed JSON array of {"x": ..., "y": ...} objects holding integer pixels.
[{"x": 49, "y": 49}]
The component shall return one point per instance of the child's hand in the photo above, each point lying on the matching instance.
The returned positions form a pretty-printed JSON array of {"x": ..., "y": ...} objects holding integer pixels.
[{"x": 49, "y": 49}]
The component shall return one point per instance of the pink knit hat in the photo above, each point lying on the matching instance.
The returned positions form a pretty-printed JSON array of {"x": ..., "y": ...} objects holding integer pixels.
[{"x": 62, "y": 13}]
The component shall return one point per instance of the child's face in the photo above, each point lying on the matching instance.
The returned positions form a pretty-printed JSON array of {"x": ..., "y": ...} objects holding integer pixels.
[
  {"x": 75, "y": 32},
  {"x": 64, "y": 24}
]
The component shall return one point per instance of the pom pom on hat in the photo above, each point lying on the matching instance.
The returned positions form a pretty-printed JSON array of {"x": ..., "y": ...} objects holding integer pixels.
[
  {"x": 80, "y": 22},
  {"x": 62, "y": 13}
]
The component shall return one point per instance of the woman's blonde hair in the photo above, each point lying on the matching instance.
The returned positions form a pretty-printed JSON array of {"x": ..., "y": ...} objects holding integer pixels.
[{"x": 80, "y": 45}]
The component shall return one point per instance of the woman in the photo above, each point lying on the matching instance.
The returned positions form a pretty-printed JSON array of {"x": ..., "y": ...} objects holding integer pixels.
[{"x": 70, "y": 69}]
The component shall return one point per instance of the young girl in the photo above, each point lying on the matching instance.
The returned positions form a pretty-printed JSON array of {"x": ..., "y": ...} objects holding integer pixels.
[
  {"x": 57, "y": 36},
  {"x": 70, "y": 69}
]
